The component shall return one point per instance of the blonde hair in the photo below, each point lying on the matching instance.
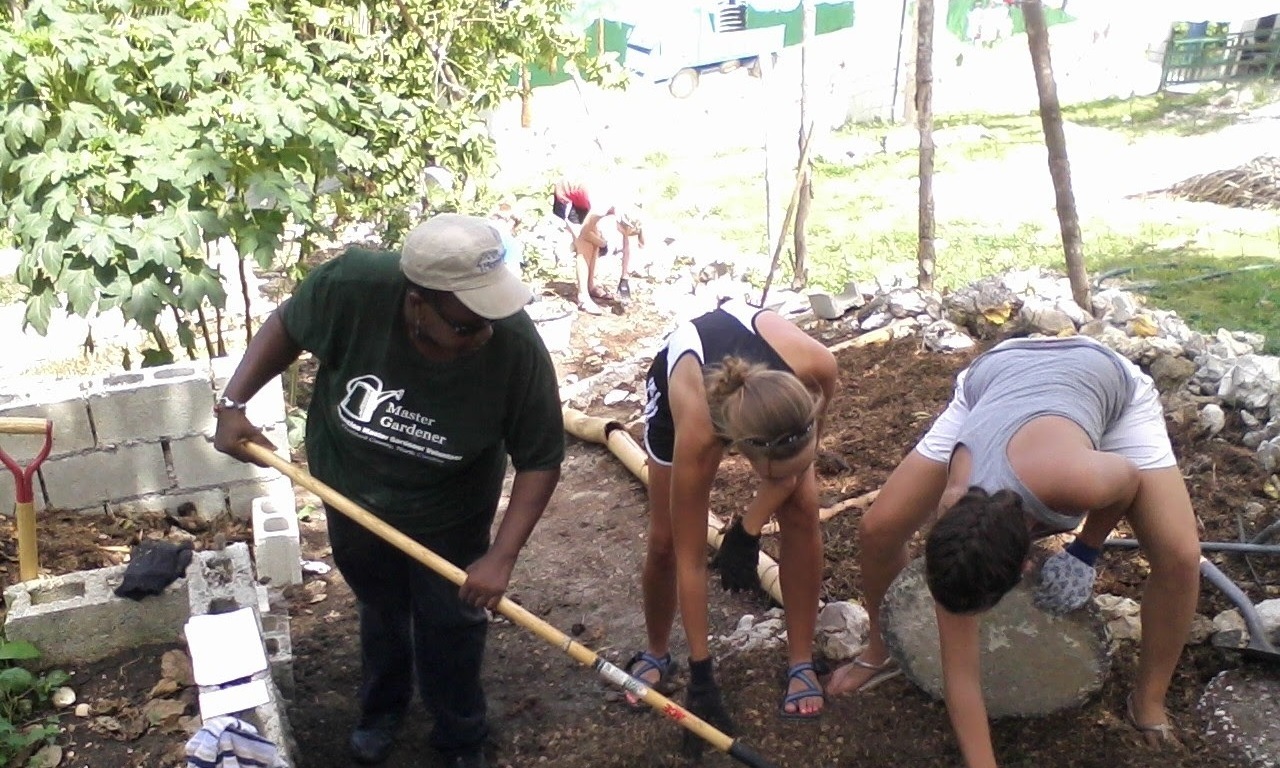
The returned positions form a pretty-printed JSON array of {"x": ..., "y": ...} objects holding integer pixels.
[{"x": 752, "y": 405}]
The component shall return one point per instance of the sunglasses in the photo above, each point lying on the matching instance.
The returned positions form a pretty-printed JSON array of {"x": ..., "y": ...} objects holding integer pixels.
[
  {"x": 790, "y": 438},
  {"x": 460, "y": 329}
]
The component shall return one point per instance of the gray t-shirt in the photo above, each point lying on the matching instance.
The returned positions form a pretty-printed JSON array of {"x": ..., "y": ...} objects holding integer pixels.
[{"x": 1018, "y": 380}]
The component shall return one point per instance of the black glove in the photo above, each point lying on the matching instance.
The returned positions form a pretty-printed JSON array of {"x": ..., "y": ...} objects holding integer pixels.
[
  {"x": 737, "y": 558},
  {"x": 153, "y": 565},
  {"x": 703, "y": 699}
]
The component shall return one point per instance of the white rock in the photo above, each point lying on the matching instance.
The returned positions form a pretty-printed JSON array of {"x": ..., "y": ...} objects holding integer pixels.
[
  {"x": 1251, "y": 382},
  {"x": 1269, "y": 455},
  {"x": 945, "y": 336},
  {"x": 63, "y": 697},
  {"x": 1212, "y": 418},
  {"x": 875, "y": 320},
  {"x": 1229, "y": 621}
]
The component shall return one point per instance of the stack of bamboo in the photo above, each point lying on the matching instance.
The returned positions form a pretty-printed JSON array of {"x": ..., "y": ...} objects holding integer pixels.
[{"x": 1256, "y": 184}]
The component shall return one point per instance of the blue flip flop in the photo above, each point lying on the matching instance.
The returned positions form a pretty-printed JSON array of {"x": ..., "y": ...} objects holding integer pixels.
[
  {"x": 808, "y": 674},
  {"x": 642, "y": 663}
]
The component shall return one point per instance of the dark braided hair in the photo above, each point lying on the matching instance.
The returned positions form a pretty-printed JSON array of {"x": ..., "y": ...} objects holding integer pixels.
[{"x": 975, "y": 552}]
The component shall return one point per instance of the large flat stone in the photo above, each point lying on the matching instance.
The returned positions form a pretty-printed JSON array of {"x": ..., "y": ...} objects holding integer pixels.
[
  {"x": 1032, "y": 663},
  {"x": 1241, "y": 710}
]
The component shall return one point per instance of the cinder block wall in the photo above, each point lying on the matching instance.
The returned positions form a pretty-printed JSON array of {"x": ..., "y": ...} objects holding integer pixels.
[{"x": 140, "y": 441}]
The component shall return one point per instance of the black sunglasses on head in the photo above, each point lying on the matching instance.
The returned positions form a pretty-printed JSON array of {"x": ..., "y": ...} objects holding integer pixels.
[{"x": 790, "y": 438}]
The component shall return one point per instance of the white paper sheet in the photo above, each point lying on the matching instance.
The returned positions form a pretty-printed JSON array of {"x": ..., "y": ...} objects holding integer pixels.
[
  {"x": 223, "y": 701},
  {"x": 225, "y": 646}
]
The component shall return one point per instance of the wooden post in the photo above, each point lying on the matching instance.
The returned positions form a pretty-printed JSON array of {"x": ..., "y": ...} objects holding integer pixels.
[
  {"x": 786, "y": 218},
  {"x": 799, "y": 258},
  {"x": 526, "y": 98},
  {"x": 772, "y": 167},
  {"x": 925, "y": 256},
  {"x": 1055, "y": 141}
]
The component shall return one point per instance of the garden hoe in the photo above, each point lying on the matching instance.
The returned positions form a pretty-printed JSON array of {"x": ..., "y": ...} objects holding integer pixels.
[
  {"x": 518, "y": 615},
  {"x": 1260, "y": 647},
  {"x": 23, "y": 478}
]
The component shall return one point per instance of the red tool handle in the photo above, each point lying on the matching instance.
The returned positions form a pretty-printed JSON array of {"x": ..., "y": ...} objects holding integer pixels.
[{"x": 22, "y": 476}]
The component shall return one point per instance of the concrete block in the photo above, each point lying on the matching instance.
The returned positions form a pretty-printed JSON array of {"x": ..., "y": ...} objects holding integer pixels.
[
  {"x": 277, "y": 544},
  {"x": 829, "y": 307},
  {"x": 240, "y": 496},
  {"x": 279, "y": 645},
  {"x": 91, "y": 479},
  {"x": 265, "y": 407},
  {"x": 267, "y": 716},
  {"x": 66, "y": 407},
  {"x": 150, "y": 404},
  {"x": 76, "y": 618},
  {"x": 196, "y": 464},
  {"x": 1033, "y": 663},
  {"x": 272, "y": 722},
  {"x": 221, "y": 580},
  {"x": 210, "y": 504}
]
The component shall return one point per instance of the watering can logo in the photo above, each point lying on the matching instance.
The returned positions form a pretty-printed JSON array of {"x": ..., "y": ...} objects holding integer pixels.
[{"x": 364, "y": 395}]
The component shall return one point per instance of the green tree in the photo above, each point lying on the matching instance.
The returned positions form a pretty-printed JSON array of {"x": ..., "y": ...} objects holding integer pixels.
[{"x": 138, "y": 133}]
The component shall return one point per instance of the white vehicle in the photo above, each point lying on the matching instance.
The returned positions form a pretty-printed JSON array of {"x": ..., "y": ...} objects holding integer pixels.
[{"x": 677, "y": 46}]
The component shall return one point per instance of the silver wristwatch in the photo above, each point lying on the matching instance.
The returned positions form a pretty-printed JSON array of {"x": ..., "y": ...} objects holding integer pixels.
[{"x": 225, "y": 403}]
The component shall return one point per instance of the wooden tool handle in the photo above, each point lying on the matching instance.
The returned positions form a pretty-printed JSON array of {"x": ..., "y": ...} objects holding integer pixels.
[{"x": 18, "y": 425}]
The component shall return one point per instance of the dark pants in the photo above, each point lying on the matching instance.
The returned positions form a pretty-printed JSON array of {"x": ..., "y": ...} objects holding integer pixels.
[{"x": 411, "y": 618}]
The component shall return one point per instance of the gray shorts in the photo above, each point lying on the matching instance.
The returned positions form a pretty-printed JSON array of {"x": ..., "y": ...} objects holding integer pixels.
[{"x": 1139, "y": 435}]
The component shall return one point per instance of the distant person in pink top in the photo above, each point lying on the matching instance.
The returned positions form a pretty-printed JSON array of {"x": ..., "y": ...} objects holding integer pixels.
[{"x": 583, "y": 217}]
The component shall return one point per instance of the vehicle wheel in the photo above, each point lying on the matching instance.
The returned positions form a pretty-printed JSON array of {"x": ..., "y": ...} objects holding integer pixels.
[
  {"x": 683, "y": 83},
  {"x": 728, "y": 66},
  {"x": 753, "y": 68}
]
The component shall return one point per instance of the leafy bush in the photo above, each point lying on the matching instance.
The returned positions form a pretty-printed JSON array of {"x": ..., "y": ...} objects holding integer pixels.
[{"x": 23, "y": 694}]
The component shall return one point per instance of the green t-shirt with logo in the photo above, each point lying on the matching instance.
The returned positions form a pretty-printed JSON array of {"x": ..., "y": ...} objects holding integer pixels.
[{"x": 421, "y": 444}]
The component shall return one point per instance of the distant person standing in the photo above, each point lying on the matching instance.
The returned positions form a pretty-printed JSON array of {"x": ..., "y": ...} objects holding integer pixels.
[{"x": 584, "y": 209}]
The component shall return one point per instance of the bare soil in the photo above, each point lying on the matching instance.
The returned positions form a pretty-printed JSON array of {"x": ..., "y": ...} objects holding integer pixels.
[{"x": 580, "y": 573}]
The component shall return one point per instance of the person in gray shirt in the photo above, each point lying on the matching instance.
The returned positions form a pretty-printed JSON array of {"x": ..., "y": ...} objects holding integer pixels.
[{"x": 1041, "y": 436}]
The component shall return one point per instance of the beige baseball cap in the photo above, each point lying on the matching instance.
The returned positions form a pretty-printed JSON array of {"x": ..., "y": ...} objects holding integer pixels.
[{"x": 464, "y": 255}]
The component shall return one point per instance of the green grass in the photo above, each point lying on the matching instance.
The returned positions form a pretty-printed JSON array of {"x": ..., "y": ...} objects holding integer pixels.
[
  {"x": 863, "y": 222},
  {"x": 1210, "y": 292}
]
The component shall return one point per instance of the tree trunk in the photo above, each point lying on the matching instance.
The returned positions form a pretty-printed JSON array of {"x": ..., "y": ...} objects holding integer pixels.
[
  {"x": 1055, "y": 142},
  {"x": 899, "y": 87},
  {"x": 799, "y": 261},
  {"x": 909, "y": 76},
  {"x": 770, "y": 166},
  {"x": 526, "y": 98},
  {"x": 925, "y": 256}
]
